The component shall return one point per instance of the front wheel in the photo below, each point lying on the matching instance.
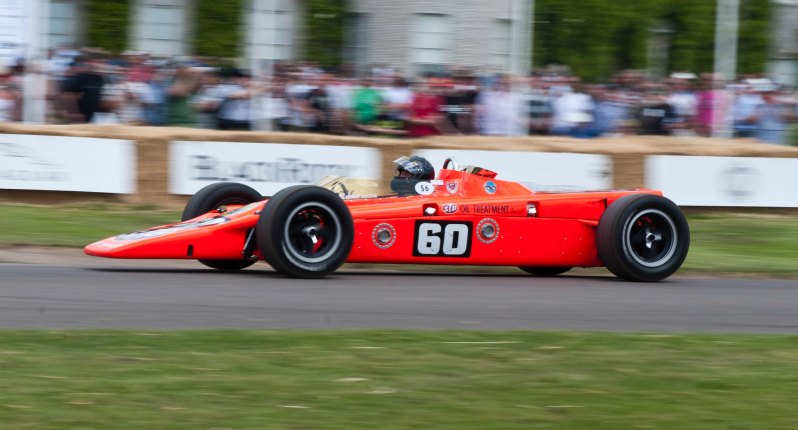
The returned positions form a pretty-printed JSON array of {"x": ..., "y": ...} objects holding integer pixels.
[
  {"x": 216, "y": 197},
  {"x": 643, "y": 237},
  {"x": 305, "y": 231}
]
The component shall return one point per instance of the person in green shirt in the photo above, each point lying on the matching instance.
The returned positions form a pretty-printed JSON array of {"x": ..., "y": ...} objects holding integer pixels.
[
  {"x": 367, "y": 104},
  {"x": 180, "y": 111}
]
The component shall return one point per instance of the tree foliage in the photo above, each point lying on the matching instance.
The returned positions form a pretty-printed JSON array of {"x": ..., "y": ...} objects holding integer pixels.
[
  {"x": 324, "y": 31},
  {"x": 107, "y": 24},
  {"x": 598, "y": 37},
  {"x": 753, "y": 47},
  {"x": 219, "y": 29}
]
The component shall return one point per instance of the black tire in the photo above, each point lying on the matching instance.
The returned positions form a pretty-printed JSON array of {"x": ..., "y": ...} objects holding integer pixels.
[
  {"x": 643, "y": 237},
  {"x": 213, "y": 197},
  {"x": 545, "y": 271},
  {"x": 305, "y": 231}
]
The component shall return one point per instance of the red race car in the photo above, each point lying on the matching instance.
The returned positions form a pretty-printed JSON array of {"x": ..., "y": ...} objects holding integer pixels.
[{"x": 464, "y": 216}]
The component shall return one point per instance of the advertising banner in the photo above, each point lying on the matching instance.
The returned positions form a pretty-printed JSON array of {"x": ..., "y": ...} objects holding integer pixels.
[
  {"x": 725, "y": 181},
  {"x": 58, "y": 163},
  {"x": 267, "y": 167}
]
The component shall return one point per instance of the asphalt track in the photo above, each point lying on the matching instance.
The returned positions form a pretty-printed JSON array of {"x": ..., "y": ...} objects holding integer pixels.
[{"x": 85, "y": 292}]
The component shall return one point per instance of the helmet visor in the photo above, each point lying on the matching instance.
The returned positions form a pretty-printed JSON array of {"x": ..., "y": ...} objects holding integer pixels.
[{"x": 411, "y": 166}]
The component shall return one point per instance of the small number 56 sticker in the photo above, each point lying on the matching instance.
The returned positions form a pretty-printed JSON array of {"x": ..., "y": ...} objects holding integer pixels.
[{"x": 424, "y": 188}]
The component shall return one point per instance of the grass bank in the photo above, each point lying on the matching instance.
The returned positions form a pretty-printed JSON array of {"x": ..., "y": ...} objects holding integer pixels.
[
  {"x": 721, "y": 243},
  {"x": 396, "y": 380}
]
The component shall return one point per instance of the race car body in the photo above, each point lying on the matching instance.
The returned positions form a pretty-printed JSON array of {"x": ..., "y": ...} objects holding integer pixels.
[{"x": 462, "y": 217}]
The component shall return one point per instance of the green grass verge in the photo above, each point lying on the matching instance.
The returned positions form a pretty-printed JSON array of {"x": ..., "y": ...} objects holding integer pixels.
[
  {"x": 75, "y": 225},
  {"x": 744, "y": 243},
  {"x": 721, "y": 243},
  {"x": 396, "y": 380}
]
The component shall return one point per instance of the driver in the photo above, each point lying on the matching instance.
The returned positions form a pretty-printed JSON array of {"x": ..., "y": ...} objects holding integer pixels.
[{"x": 410, "y": 171}]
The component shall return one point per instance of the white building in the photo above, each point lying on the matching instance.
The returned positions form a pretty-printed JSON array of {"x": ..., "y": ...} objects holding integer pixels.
[
  {"x": 410, "y": 35},
  {"x": 425, "y": 35},
  {"x": 783, "y": 56}
]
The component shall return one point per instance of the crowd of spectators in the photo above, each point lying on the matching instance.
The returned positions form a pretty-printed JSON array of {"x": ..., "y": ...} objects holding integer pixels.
[{"x": 134, "y": 88}]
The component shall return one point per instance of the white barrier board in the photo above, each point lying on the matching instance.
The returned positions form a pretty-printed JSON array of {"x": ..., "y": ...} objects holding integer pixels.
[
  {"x": 538, "y": 171},
  {"x": 725, "y": 181},
  {"x": 59, "y": 163},
  {"x": 267, "y": 167}
]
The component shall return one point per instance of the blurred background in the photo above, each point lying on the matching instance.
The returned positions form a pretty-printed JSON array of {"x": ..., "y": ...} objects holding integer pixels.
[{"x": 407, "y": 68}]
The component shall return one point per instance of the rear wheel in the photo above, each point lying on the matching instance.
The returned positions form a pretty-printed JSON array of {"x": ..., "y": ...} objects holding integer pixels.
[
  {"x": 643, "y": 237},
  {"x": 545, "y": 271},
  {"x": 305, "y": 231},
  {"x": 216, "y": 197}
]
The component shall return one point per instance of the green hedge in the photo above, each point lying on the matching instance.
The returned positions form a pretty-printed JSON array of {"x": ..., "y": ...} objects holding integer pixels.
[
  {"x": 324, "y": 31},
  {"x": 754, "y": 42},
  {"x": 107, "y": 24},
  {"x": 598, "y": 37},
  {"x": 219, "y": 28}
]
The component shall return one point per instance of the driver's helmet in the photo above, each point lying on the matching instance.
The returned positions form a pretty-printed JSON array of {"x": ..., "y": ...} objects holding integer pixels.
[{"x": 409, "y": 172}]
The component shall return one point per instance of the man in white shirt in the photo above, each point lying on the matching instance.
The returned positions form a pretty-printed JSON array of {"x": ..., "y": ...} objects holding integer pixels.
[
  {"x": 500, "y": 112},
  {"x": 569, "y": 110}
]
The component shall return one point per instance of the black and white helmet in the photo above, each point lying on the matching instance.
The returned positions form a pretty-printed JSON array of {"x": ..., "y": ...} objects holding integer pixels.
[{"x": 409, "y": 172}]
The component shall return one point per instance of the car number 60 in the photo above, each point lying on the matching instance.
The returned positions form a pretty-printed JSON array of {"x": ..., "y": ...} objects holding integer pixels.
[{"x": 445, "y": 239}]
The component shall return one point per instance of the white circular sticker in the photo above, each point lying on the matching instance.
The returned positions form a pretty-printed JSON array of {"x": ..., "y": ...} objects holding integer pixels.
[{"x": 424, "y": 188}]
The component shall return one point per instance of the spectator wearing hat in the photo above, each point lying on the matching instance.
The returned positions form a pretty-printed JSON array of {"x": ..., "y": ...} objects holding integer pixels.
[
  {"x": 180, "y": 110},
  {"x": 538, "y": 103},
  {"x": 684, "y": 101},
  {"x": 129, "y": 96},
  {"x": 460, "y": 98},
  {"x": 713, "y": 104},
  {"x": 138, "y": 67},
  {"x": 154, "y": 97},
  {"x": 233, "y": 101},
  {"x": 296, "y": 93},
  {"x": 318, "y": 106},
  {"x": 8, "y": 103},
  {"x": 773, "y": 118},
  {"x": 656, "y": 115},
  {"x": 84, "y": 90},
  {"x": 112, "y": 97},
  {"x": 206, "y": 101},
  {"x": 746, "y": 104}
]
